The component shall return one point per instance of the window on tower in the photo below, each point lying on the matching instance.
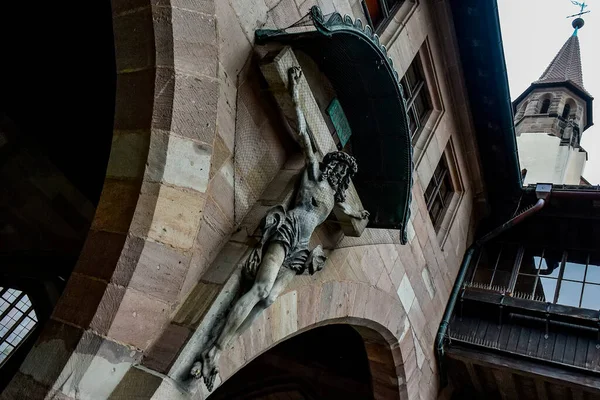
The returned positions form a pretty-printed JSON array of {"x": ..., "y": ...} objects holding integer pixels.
[
  {"x": 566, "y": 111},
  {"x": 545, "y": 106}
]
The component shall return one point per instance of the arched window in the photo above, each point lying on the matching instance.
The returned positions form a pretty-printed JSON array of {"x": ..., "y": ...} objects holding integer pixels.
[
  {"x": 545, "y": 106},
  {"x": 17, "y": 320},
  {"x": 566, "y": 111}
]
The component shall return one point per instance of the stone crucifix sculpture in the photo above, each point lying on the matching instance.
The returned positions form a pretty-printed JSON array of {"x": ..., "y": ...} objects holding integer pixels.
[{"x": 283, "y": 250}]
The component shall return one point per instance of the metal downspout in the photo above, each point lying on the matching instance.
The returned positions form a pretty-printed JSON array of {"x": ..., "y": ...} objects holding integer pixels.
[
  {"x": 439, "y": 340},
  {"x": 462, "y": 273}
]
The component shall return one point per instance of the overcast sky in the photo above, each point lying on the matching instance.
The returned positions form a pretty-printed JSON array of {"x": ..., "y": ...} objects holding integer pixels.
[{"x": 533, "y": 31}]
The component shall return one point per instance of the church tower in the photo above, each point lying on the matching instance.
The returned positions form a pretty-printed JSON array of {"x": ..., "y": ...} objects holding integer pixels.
[{"x": 550, "y": 117}]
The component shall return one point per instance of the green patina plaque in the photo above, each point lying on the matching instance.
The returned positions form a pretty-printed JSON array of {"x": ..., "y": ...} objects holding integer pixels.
[{"x": 340, "y": 123}]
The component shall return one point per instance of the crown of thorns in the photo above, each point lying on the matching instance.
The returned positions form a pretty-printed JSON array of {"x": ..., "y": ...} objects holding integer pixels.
[{"x": 343, "y": 157}]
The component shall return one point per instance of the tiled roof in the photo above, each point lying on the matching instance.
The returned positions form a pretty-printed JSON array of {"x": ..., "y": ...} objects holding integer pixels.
[{"x": 566, "y": 65}]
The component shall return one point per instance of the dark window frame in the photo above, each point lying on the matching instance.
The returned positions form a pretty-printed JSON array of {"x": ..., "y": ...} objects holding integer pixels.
[
  {"x": 387, "y": 10},
  {"x": 503, "y": 251},
  {"x": 417, "y": 96},
  {"x": 583, "y": 281},
  {"x": 16, "y": 309},
  {"x": 439, "y": 192},
  {"x": 592, "y": 260}
]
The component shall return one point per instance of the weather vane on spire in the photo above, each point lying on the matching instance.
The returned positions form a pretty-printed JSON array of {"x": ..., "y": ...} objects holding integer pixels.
[
  {"x": 578, "y": 22},
  {"x": 582, "y": 6}
]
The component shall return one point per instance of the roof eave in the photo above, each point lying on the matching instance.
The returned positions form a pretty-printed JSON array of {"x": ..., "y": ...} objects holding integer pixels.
[{"x": 481, "y": 51}]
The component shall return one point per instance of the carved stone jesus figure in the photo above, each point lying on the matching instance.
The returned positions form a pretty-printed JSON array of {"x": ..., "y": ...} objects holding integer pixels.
[{"x": 283, "y": 250}]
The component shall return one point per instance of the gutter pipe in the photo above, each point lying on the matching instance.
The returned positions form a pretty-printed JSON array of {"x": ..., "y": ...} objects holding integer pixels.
[
  {"x": 581, "y": 194},
  {"x": 462, "y": 273}
]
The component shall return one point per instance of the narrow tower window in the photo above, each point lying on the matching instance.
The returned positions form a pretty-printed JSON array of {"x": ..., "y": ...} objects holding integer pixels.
[
  {"x": 566, "y": 111},
  {"x": 545, "y": 106}
]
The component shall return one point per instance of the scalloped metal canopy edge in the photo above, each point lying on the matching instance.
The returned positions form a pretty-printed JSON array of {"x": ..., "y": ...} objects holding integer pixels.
[{"x": 368, "y": 88}]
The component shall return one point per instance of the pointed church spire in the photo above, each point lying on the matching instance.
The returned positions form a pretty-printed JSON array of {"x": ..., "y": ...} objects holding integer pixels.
[
  {"x": 566, "y": 65},
  {"x": 564, "y": 72},
  {"x": 552, "y": 114}
]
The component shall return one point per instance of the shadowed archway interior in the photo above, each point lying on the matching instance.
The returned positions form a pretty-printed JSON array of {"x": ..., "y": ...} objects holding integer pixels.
[
  {"x": 324, "y": 363},
  {"x": 57, "y": 101}
]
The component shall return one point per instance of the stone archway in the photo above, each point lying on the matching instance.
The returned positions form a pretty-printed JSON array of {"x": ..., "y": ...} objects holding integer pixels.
[
  {"x": 332, "y": 361},
  {"x": 378, "y": 317},
  {"x": 158, "y": 221},
  {"x": 376, "y": 314}
]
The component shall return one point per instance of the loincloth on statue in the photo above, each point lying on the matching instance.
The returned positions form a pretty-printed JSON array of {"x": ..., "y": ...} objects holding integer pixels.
[{"x": 283, "y": 228}]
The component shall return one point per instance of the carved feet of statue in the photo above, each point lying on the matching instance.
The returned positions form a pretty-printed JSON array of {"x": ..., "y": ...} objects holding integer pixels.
[{"x": 206, "y": 368}]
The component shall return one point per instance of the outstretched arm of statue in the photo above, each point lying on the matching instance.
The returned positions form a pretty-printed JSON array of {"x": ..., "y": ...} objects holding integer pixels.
[
  {"x": 349, "y": 211},
  {"x": 295, "y": 73}
]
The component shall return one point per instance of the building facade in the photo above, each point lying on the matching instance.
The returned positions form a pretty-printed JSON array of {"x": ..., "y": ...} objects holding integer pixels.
[
  {"x": 200, "y": 151},
  {"x": 203, "y": 145}
]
